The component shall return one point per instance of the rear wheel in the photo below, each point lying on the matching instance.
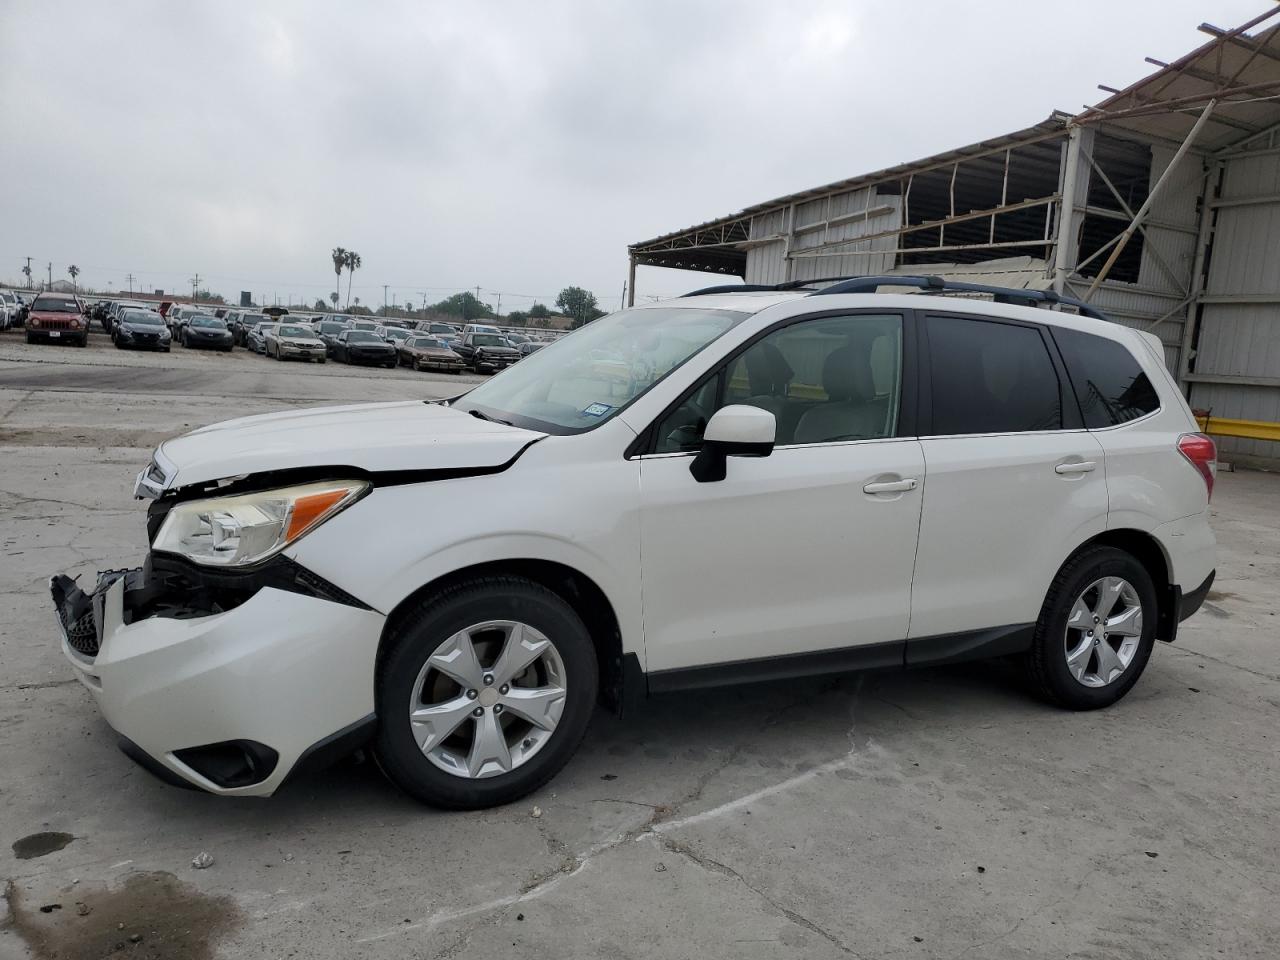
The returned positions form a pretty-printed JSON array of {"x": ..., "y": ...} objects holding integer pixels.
[
  {"x": 1096, "y": 630},
  {"x": 484, "y": 693}
]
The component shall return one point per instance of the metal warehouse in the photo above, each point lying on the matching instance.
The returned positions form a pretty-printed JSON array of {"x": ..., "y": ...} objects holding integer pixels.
[{"x": 1160, "y": 205}]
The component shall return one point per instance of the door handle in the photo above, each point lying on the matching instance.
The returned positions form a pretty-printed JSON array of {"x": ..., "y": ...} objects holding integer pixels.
[
  {"x": 890, "y": 486},
  {"x": 1082, "y": 466}
]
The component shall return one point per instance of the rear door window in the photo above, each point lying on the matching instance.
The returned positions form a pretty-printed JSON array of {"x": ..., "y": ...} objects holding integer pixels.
[
  {"x": 1109, "y": 383},
  {"x": 991, "y": 377}
]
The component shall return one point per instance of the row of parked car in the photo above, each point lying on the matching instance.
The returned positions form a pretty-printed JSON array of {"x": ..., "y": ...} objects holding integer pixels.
[{"x": 275, "y": 333}]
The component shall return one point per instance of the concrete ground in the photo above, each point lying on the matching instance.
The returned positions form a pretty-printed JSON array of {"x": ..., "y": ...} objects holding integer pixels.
[{"x": 942, "y": 813}]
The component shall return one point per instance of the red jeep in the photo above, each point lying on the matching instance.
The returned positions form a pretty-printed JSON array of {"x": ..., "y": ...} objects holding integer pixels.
[{"x": 57, "y": 316}]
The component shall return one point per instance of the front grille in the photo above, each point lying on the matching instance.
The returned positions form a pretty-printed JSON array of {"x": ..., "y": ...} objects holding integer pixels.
[
  {"x": 75, "y": 613},
  {"x": 82, "y": 635},
  {"x": 57, "y": 324}
]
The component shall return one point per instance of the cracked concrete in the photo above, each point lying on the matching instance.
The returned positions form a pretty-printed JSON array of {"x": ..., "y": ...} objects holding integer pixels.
[{"x": 938, "y": 814}]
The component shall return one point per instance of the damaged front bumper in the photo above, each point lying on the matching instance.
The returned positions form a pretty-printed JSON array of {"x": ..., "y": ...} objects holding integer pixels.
[{"x": 223, "y": 681}]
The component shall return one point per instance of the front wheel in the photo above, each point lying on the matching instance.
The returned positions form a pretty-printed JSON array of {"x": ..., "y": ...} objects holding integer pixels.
[
  {"x": 1096, "y": 630},
  {"x": 484, "y": 693}
]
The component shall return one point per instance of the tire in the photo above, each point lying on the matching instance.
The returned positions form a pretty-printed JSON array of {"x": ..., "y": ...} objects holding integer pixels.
[
  {"x": 435, "y": 620},
  {"x": 30, "y": 338},
  {"x": 1046, "y": 663},
  {"x": 166, "y": 349}
]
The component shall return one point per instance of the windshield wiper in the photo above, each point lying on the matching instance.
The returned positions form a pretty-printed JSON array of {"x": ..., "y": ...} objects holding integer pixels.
[{"x": 484, "y": 416}]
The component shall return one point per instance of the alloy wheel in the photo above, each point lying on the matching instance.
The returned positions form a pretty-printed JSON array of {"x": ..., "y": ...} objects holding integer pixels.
[
  {"x": 488, "y": 699},
  {"x": 1104, "y": 630}
]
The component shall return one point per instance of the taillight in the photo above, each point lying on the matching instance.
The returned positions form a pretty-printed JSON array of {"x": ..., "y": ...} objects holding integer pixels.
[{"x": 1202, "y": 453}]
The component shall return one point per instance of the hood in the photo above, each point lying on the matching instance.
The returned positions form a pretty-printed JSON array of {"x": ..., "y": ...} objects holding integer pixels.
[
  {"x": 369, "y": 344},
  {"x": 302, "y": 341},
  {"x": 403, "y": 435}
]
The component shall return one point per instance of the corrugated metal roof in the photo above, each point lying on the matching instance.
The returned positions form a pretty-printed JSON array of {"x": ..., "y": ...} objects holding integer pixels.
[
  {"x": 1053, "y": 126},
  {"x": 1240, "y": 71}
]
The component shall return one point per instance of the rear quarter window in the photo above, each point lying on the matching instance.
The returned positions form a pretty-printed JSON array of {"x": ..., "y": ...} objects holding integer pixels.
[{"x": 1108, "y": 381}]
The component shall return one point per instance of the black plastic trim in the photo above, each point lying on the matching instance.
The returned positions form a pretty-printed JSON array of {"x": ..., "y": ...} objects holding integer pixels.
[
  {"x": 843, "y": 660},
  {"x": 153, "y": 766},
  {"x": 970, "y": 645},
  {"x": 336, "y": 746},
  {"x": 896, "y": 654},
  {"x": 231, "y": 763},
  {"x": 1189, "y": 603}
]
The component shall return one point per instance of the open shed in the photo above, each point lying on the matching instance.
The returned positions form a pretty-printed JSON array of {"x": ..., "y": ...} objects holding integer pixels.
[{"x": 1159, "y": 204}]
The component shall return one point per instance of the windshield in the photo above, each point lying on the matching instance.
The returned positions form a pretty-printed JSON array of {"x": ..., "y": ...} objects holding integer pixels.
[
  {"x": 55, "y": 305},
  {"x": 585, "y": 378},
  {"x": 363, "y": 336},
  {"x": 395, "y": 333},
  {"x": 364, "y": 325},
  {"x": 330, "y": 327},
  {"x": 425, "y": 342},
  {"x": 142, "y": 317},
  {"x": 489, "y": 340},
  {"x": 291, "y": 331},
  {"x": 212, "y": 323}
]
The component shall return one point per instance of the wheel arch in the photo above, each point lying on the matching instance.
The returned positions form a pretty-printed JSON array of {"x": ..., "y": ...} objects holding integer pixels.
[
  {"x": 617, "y": 677},
  {"x": 1149, "y": 552}
]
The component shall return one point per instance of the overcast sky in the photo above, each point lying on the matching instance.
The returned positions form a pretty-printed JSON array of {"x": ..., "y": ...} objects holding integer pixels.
[{"x": 515, "y": 146}]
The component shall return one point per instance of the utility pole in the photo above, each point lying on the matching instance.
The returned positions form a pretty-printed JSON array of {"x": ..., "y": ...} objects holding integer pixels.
[
  {"x": 27, "y": 273},
  {"x": 130, "y": 279},
  {"x": 195, "y": 285},
  {"x": 50, "y": 275},
  {"x": 384, "y": 298},
  {"x": 499, "y": 310}
]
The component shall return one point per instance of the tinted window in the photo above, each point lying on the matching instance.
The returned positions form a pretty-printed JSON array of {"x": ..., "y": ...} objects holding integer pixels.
[
  {"x": 825, "y": 380},
  {"x": 1110, "y": 385},
  {"x": 213, "y": 323},
  {"x": 363, "y": 336},
  {"x": 991, "y": 378}
]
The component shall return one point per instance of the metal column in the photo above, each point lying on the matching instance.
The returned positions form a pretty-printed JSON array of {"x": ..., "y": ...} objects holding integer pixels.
[{"x": 1064, "y": 249}]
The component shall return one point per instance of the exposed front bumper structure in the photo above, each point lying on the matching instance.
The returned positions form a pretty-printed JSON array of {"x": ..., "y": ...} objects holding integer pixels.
[{"x": 224, "y": 700}]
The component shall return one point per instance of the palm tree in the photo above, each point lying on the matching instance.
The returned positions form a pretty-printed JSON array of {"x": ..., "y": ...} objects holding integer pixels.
[
  {"x": 75, "y": 272},
  {"x": 339, "y": 256},
  {"x": 334, "y": 297},
  {"x": 353, "y": 264},
  {"x": 27, "y": 273},
  {"x": 357, "y": 301}
]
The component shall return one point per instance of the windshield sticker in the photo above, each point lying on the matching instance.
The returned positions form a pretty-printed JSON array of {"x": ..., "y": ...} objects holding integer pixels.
[{"x": 597, "y": 410}]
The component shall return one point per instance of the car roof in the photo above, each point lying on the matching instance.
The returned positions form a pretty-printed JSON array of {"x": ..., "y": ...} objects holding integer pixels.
[{"x": 756, "y": 301}]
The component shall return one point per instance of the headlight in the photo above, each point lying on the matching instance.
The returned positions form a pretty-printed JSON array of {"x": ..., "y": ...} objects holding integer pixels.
[{"x": 235, "y": 531}]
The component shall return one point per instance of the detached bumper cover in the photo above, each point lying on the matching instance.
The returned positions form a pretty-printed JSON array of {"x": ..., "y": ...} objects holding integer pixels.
[{"x": 273, "y": 677}]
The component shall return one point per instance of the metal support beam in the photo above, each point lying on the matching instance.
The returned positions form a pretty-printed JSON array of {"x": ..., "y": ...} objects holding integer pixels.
[
  {"x": 1207, "y": 215},
  {"x": 1065, "y": 247},
  {"x": 1155, "y": 255},
  {"x": 1146, "y": 204},
  {"x": 631, "y": 283}
]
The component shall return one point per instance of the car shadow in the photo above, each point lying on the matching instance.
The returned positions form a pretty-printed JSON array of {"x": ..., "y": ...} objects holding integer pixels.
[{"x": 686, "y": 726}]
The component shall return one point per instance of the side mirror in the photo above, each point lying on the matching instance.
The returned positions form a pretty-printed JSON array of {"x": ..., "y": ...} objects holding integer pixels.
[{"x": 733, "y": 431}]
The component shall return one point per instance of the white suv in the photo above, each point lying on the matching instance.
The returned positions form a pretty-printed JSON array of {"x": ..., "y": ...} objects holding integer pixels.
[{"x": 726, "y": 487}]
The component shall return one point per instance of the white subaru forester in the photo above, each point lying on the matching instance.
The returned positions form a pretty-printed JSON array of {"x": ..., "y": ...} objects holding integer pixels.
[{"x": 737, "y": 485}]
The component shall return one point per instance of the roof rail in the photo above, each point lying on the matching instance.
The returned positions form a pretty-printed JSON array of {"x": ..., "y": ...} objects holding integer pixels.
[
  {"x": 760, "y": 287},
  {"x": 927, "y": 283},
  {"x": 933, "y": 284}
]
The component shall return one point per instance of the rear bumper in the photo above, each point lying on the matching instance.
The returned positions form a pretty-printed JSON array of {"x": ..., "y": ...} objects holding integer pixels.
[{"x": 230, "y": 702}]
